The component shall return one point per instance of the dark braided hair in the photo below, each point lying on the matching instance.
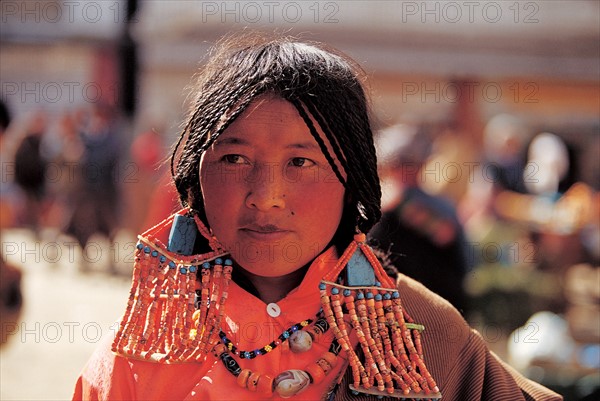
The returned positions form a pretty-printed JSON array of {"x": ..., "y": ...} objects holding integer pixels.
[{"x": 321, "y": 83}]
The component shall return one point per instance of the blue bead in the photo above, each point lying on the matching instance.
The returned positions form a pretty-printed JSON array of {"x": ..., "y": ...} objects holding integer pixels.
[
  {"x": 395, "y": 294},
  {"x": 378, "y": 297},
  {"x": 193, "y": 269},
  {"x": 387, "y": 296},
  {"x": 228, "y": 262},
  {"x": 182, "y": 270},
  {"x": 285, "y": 334},
  {"x": 246, "y": 355},
  {"x": 294, "y": 328},
  {"x": 359, "y": 272},
  {"x": 206, "y": 265},
  {"x": 172, "y": 265},
  {"x": 335, "y": 291},
  {"x": 322, "y": 286},
  {"x": 354, "y": 392},
  {"x": 162, "y": 259},
  {"x": 218, "y": 261},
  {"x": 147, "y": 249},
  {"x": 360, "y": 295},
  {"x": 140, "y": 246},
  {"x": 257, "y": 352},
  {"x": 154, "y": 253},
  {"x": 369, "y": 295},
  {"x": 347, "y": 292},
  {"x": 377, "y": 284}
]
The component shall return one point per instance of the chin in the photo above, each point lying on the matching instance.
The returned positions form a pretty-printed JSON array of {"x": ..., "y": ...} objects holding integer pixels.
[{"x": 270, "y": 269}]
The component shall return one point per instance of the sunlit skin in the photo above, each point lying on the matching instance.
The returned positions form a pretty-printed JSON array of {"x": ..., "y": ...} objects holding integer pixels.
[{"x": 270, "y": 195}]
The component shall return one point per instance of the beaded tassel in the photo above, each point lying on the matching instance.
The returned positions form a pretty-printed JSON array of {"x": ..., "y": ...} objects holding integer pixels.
[
  {"x": 161, "y": 322},
  {"x": 392, "y": 356}
]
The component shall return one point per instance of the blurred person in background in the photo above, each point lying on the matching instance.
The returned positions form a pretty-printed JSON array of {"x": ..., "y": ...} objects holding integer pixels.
[
  {"x": 7, "y": 190},
  {"x": 65, "y": 150},
  {"x": 95, "y": 209},
  {"x": 30, "y": 167},
  {"x": 556, "y": 336},
  {"x": 565, "y": 332},
  {"x": 502, "y": 253},
  {"x": 504, "y": 143},
  {"x": 11, "y": 298},
  {"x": 555, "y": 210},
  {"x": 420, "y": 231}
]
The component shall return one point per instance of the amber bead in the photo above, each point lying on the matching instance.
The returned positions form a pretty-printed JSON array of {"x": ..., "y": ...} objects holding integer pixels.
[
  {"x": 242, "y": 379},
  {"x": 265, "y": 384},
  {"x": 253, "y": 381},
  {"x": 315, "y": 372}
]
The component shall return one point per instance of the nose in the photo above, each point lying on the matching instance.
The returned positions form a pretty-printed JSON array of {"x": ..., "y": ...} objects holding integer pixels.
[{"x": 266, "y": 188}]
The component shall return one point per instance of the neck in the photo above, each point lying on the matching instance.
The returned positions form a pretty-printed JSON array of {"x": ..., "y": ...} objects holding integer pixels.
[{"x": 272, "y": 289}]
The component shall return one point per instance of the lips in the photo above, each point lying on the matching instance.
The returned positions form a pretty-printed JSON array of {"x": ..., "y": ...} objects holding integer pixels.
[{"x": 262, "y": 232}]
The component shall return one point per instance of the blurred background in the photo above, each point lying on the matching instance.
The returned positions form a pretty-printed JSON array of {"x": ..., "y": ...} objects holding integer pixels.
[{"x": 487, "y": 116}]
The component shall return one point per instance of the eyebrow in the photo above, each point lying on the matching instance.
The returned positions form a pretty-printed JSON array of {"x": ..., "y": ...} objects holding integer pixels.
[{"x": 233, "y": 140}]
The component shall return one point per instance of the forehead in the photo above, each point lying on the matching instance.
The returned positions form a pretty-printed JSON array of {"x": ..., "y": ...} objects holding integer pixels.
[
  {"x": 270, "y": 118},
  {"x": 269, "y": 109}
]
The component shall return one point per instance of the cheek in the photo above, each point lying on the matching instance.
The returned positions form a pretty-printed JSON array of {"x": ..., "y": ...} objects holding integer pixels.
[
  {"x": 322, "y": 207},
  {"x": 219, "y": 198}
]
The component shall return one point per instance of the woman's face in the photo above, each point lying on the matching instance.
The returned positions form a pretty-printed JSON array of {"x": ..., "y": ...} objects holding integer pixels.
[{"x": 270, "y": 195}]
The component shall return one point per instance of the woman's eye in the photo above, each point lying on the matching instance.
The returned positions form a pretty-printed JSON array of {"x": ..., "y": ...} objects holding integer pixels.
[
  {"x": 301, "y": 162},
  {"x": 234, "y": 159}
]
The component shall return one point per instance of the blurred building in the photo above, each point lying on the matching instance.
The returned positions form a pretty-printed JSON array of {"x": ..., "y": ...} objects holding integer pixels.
[{"x": 429, "y": 60}]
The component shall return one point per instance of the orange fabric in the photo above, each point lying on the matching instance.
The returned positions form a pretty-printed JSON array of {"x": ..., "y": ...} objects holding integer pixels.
[
  {"x": 247, "y": 324},
  {"x": 455, "y": 354}
]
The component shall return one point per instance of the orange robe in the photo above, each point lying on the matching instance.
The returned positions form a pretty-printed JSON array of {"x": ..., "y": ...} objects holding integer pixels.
[{"x": 455, "y": 354}]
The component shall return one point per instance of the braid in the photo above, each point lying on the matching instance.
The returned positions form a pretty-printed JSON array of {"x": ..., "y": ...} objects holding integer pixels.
[
  {"x": 366, "y": 191},
  {"x": 319, "y": 140},
  {"x": 189, "y": 181},
  {"x": 206, "y": 115},
  {"x": 332, "y": 139}
]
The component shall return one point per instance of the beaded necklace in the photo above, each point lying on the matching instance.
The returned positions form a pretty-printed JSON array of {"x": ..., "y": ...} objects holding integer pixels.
[
  {"x": 299, "y": 340},
  {"x": 287, "y": 383},
  {"x": 177, "y": 302}
]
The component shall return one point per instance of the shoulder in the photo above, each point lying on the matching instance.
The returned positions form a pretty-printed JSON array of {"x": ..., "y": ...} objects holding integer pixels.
[
  {"x": 457, "y": 356},
  {"x": 105, "y": 376},
  {"x": 446, "y": 331}
]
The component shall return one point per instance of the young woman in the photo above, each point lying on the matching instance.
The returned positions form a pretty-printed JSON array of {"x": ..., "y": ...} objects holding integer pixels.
[{"x": 262, "y": 286}]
